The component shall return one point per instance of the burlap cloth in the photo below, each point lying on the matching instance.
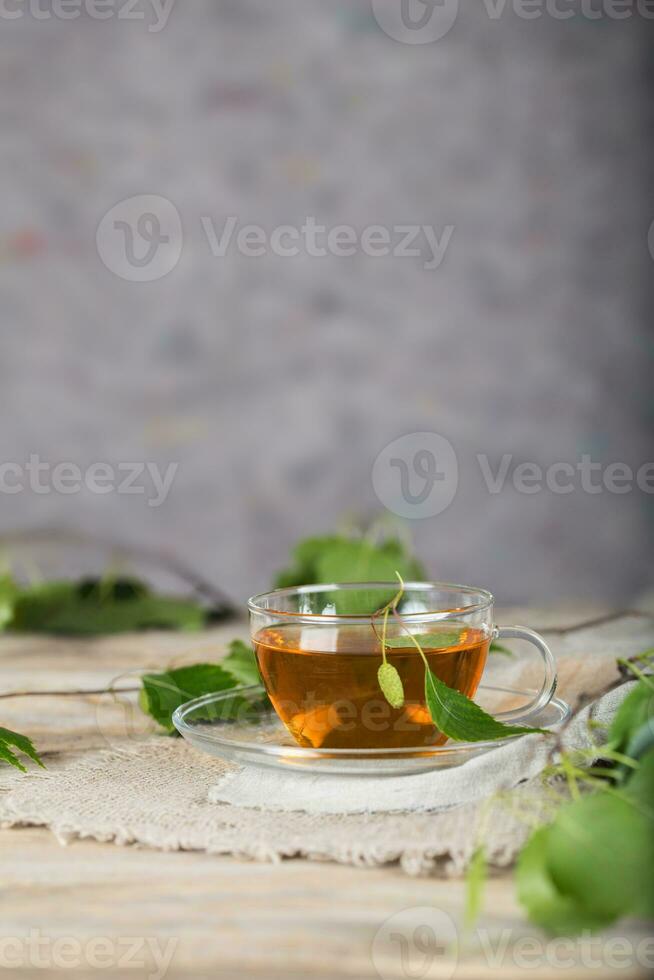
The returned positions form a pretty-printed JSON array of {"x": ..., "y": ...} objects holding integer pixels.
[{"x": 156, "y": 791}]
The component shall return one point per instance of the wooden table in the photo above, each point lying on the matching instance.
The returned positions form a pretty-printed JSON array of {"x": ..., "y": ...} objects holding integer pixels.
[{"x": 94, "y": 909}]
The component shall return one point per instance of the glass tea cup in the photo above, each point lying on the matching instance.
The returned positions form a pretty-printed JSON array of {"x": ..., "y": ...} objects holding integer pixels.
[{"x": 319, "y": 649}]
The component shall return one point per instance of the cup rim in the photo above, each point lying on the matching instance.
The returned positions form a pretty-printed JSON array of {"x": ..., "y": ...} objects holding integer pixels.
[{"x": 486, "y": 600}]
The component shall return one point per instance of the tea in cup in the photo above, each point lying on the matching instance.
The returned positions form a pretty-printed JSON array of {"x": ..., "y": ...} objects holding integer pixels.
[{"x": 319, "y": 649}]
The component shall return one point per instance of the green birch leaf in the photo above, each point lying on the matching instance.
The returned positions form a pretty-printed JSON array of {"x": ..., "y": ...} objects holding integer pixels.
[
  {"x": 6, "y": 755},
  {"x": 96, "y": 607},
  {"x": 20, "y": 742},
  {"x": 241, "y": 663},
  {"x": 641, "y": 744},
  {"x": 540, "y": 896},
  {"x": 361, "y": 561},
  {"x": 390, "y": 683},
  {"x": 640, "y": 788},
  {"x": 8, "y": 595},
  {"x": 636, "y": 710},
  {"x": 304, "y": 559},
  {"x": 337, "y": 558},
  {"x": 595, "y": 854},
  {"x": 456, "y": 716},
  {"x": 163, "y": 693}
]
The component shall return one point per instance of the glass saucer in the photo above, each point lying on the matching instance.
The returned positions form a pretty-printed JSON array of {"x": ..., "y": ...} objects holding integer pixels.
[{"x": 240, "y": 727}]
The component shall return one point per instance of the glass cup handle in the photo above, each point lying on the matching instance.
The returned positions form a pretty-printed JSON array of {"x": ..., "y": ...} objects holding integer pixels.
[{"x": 548, "y": 688}]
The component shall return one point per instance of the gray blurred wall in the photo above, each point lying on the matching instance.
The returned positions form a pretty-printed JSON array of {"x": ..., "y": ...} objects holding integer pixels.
[{"x": 275, "y": 382}]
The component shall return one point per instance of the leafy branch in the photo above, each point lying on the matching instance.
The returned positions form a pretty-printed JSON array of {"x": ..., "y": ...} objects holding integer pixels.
[
  {"x": 590, "y": 864},
  {"x": 452, "y": 712}
]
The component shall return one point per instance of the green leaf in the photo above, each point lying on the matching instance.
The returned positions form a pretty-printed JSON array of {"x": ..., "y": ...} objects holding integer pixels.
[
  {"x": 163, "y": 693},
  {"x": 118, "y": 589},
  {"x": 361, "y": 561},
  {"x": 390, "y": 683},
  {"x": 592, "y": 865},
  {"x": 640, "y": 786},
  {"x": 304, "y": 558},
  {"x": 599, "y": 851},
  {"x": 93, "y": 607},
  {"x": 241, "y": 663},
  {"x": 8, "y": 594},
  {"x": 335, "y": 558},
  {"x": 639, "y": 745},
  {"x": 428, "y": 641},
  {"x": 537, "y": 892},
  {"x": 456, "y": 716},
  {"x": 636, "y": 710},
  {"x": 20, "y": 742},
  {"x": 475, "y": 881}
]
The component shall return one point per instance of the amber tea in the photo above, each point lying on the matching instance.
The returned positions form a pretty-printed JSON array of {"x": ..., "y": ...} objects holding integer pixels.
[
  {"x": 322, "y": 681},
  {"x": 345, "y": 665}
]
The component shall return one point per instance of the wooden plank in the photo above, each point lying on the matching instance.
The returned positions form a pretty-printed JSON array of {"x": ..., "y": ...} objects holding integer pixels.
[
  {"x": 220, "y": 917},
  {"x": 43, "y": 663}
]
